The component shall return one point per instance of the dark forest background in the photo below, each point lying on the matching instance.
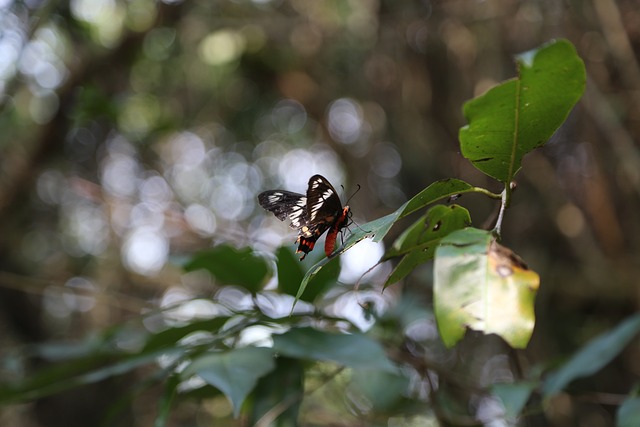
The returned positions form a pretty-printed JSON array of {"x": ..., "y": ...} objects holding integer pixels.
[{"x": 134, "y": 133}]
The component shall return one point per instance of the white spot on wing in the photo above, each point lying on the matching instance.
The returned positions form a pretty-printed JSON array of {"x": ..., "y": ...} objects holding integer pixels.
[{"x": 275, "y": 197}]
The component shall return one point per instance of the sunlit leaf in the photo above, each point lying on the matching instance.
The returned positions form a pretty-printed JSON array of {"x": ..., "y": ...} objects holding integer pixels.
[
  {"x": 417, "y": 244},
  {"x": 232, "y": 266},
  {"x": 234, "y": 372},
  {"x": 482, "y": 285},
  {"x": 521, "y": 114},
  {"x": 594, "y": 356},
  {"x": 352, "y": 350}
]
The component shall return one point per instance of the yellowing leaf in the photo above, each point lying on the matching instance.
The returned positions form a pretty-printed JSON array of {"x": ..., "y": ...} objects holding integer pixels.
[{"x": 484, "y": 286}]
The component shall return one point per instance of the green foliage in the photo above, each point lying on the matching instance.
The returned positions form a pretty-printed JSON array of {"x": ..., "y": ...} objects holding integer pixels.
[
  {"x": 520, "y": 115},
  {"x": 232, "y": 266},
  {"x": 290, "y": 274},
  {"x": 417, "y": 244},
  {"x": 234, "y": 372},
  {"x": 593, "y": 356},
  {"x": 354, "y": 350}
]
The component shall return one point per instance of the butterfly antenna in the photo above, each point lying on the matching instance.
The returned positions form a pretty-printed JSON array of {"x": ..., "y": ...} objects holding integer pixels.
[{"x": 354, "y": 193}]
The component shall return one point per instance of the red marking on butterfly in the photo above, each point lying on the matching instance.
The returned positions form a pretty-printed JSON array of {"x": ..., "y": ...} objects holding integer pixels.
[{"x": 311, "y": 214}]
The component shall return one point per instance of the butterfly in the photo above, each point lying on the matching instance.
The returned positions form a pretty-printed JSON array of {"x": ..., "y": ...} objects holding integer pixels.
[{"x": 311, "y": 214}]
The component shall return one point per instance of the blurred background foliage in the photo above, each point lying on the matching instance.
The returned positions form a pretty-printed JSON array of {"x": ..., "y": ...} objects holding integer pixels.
[{"x": 135, "y": 133}]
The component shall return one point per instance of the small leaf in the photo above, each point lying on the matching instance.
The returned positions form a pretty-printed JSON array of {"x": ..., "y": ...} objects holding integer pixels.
[
  {"x": 232, "y": 266},
  {"x": 514, "y": 396},
  {"x": 628, "y": 413},
  {"x": 594, "y": 356},
  {"x": 417, "y": 243},
  {"x": 235, "y": 373},
  {"x": 437, "y": 191},
  {"x": 521, "y": 114},
  {"x": 484, "y": 286},
  {"x": 352, "y": 350}
]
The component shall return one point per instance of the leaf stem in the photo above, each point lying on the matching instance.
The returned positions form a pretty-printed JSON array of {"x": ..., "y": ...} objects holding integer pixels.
[
  {"x": 487, "y": 193},
  {"x": 504, "y": 204}
]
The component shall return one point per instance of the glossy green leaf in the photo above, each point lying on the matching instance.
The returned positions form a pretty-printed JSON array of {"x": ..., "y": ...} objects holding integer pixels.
[
  {"x": 513, "y": 396},
  {"x": 483, "y": 286},
  {"x": 234, "y": 372},
  {"x": 417, "y": 244},
  {"x": 594, "y": 356},
  {"x": 628, "y": 413},
  {"x": 352, "y": 350},
  {"x": 521, "y": 114},
  {"x": 232, "y": 266}
]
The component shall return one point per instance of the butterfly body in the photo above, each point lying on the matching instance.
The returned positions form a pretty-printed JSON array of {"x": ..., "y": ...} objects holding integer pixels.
[{"x": 311, "y": 214}]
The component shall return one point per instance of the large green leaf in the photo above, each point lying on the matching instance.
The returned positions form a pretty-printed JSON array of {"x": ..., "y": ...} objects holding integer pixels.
[
  {"x": 352, "y": 350},
  {"x": 234, "y": 372},
  {"x": 594, "y": 356},
  {"x": 521, "y": 114},
  {"x": 483, "y": 286},
  {"x": 417, "y": 244},
  {"x": 232, "y": 266}
]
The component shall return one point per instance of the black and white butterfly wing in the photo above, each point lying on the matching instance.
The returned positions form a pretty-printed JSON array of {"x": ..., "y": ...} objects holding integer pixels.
[
  {"x": 323, "y": 202},
  {"x": 286, "y": 205}
]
